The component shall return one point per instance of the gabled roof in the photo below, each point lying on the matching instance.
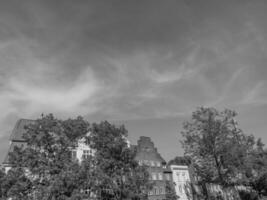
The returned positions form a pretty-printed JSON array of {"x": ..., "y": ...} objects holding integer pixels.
[
  {"x": 180, "y": 160},
  {"x": 19, "y": 129},
  {"x": 146, "y": 150}
]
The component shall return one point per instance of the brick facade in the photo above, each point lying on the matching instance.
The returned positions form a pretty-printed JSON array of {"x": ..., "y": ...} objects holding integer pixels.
[{"x": 148, "y": 155}]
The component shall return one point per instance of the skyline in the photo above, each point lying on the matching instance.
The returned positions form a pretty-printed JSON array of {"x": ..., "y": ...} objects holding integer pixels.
[{"x": 146, "y": 64}]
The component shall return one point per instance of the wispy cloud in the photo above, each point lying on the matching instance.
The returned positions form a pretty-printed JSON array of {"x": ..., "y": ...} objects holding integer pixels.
[
  {"x": 256, "y": 95},
  {"x": 124, "y": 60}
]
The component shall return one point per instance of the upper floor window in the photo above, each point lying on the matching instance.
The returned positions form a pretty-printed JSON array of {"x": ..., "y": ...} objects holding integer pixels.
[
  {"x": 154, "y": 176},
  {"x": 168, "y": 178},
  {"x": 152, "y": 163},
  {"x": 160, "y": 176},
  {"x": 158, "y": 164},
  {"x": 86, "y": 154},
  {"x": 178, "y": 175},
  {"x": 155, "y": 191},
  {"x": 147, "y": 162},
  {"x": 73, "y": 154},
  {"x": 86, "y": 191}
]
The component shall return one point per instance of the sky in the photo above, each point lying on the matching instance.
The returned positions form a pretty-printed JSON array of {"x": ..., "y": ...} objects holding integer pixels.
[{"x": 147, "y": 64}]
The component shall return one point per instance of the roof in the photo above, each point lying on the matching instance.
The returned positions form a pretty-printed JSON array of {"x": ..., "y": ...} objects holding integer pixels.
[
  {"x": 180, "y": 160},
  {"x": 146, "y": 150},
  {"x": 19, "y": 129}
]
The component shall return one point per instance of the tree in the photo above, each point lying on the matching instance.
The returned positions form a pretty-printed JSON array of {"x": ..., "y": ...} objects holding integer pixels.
[
  {"x": 256, "y": 169},
  {"x": 217, "y": 147},
  {"x": 16, "y": 184},
  {"x": 2, "y": 177},
  {"x": 170, "y": 191},
  {"x": 44, "y": 166},
  {"x": 121, "y": 176}
]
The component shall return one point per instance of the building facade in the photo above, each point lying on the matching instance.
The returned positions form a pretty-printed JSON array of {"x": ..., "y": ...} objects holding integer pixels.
[
  {"x": 81, "y": 151},
  {"x": 16, "y": 139},
  {"x": 159, "y": 173},
  {"x": 181, "y": 178}
]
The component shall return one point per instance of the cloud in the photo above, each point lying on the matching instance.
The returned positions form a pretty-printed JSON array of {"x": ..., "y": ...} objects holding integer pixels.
[
  {"x": 257, "y": 95},
  {"x": 124, "y": 60},
  {"x": 66, "y": 99}
]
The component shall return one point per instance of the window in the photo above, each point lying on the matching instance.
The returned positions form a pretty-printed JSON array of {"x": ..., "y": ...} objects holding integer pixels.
[
  {"x": 86, "y": 191},
  {"x": 158, "y": 164},
  {"x": 155, "y": 191},
  {"x": 183, "y": 176},
  {"x": 152, "y": 163},
  {"x": 147, "y": 149},
  {"x": 73, "y": 154},
  {"x": 154, "y": 176},
  {"x": 167, "y": 177},
  {"x": 178, "y": 176},
  {"x": 146, "y": 162},
  {"x": 180, "y": 189},
  {"x": 86, "y": 154},
  {"x": 150, "y": 193},
  {"x": 160, "y": 176},
  {"x": 161, "y": 190}
]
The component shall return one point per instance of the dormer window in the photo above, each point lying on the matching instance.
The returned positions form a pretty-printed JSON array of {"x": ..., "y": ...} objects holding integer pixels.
[
  {"x": 86, "y": 154},
  {"x": 147, "y": 149}
]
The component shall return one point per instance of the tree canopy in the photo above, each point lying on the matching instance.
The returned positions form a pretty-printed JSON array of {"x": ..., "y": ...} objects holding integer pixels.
[
  {"x": 220, "y": 152},
  {"x": 122, "y": 177},
  {"x": 43, "y": 168}
]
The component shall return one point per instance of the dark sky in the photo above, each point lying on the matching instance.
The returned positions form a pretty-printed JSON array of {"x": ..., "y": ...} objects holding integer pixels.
[{"x": 147, "y": 63}]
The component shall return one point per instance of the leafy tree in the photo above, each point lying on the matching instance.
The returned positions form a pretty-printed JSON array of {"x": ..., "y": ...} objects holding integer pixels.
[
  {"x": 121, "y": 176},
  {"x": 44, "y": 169},
  {"x": 217, "y": 148},
  {"x": 170, "y": 191},
  {"x": 16, "y": 184},
  {"x": 2, "y": 177},
  {"x": 256, "y": 169},
  {"x": 44, "y": 166}
]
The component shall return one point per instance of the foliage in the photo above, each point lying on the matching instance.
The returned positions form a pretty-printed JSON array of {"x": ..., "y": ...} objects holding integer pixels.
[
  {"x": 2, "y": 177},
  {"x": 256, "y": 169},
  {"x": 44, "y": 169},
  {"x": 248, "y": 195},
  {"x": 170, "y": 191},
  {"x": 178, "y": 160},
  {"x": 221, "y": 153},
  {"x": 215, "y": 144},
  {"x": 44, "y": 165},
  {"x": 217, "y": 147},
  {"x": 121, "y": 176},
  {"x": 16, "y": 184}
]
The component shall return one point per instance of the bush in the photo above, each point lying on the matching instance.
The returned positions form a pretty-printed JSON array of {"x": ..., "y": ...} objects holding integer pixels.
[{"x": 246, "y": 195}]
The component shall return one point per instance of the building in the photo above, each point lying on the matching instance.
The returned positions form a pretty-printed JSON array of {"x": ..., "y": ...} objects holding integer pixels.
[
  {"x": 182, "y": 177},
  {"x": 81, "y": 151},
  {"x": 148, "y": 155},
  {"x": 16, "y": 139}
]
